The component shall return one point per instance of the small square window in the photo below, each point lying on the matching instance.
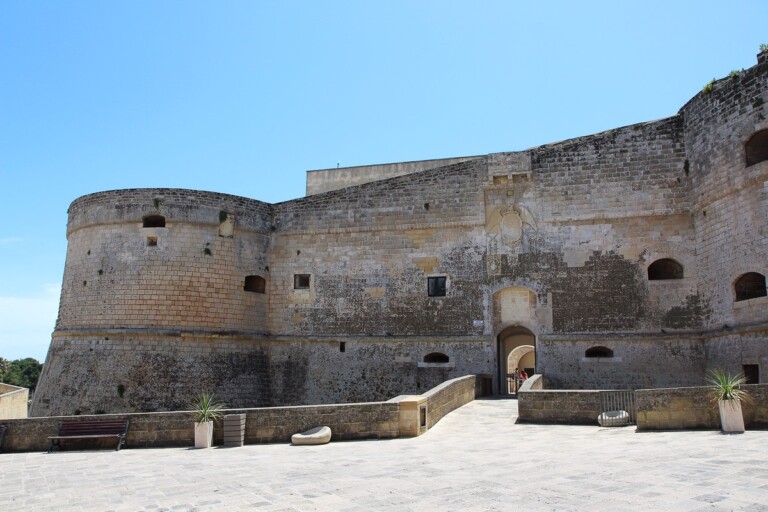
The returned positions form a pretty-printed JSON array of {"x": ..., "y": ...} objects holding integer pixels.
[
  {"x": 752, "y": 373},
  {"x": 436, "y": 286},
  {"x": 301, "y": 281},
  {"x": 151, "y": 241}
]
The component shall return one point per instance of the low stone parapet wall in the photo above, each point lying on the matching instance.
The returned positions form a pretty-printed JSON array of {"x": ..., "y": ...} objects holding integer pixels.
[
  {"x": 450, "y": 395},
  {"x": 692, "y": 408},
  {"x": 371, "y": 420},
  {"x": 538, "y": 405},
  {"x": 656, "y": 409}
]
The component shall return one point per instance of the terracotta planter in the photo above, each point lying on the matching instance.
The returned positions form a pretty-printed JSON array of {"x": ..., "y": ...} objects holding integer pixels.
[
  {"x": 204, "y": 434},
  {"x": 731, "y": 419}
]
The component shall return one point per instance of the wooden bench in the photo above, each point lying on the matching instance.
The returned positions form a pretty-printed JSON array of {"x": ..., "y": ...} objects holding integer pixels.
[{"x": 70, "y": 430}]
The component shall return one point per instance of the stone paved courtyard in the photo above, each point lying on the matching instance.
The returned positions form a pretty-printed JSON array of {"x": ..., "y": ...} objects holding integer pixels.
[{"x": 474, "y": 459}]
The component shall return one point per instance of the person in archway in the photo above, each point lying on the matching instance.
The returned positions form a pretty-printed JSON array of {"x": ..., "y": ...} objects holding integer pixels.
[
  {"x": 518, "y": 379},
  {"x": 523, "y": 377}
]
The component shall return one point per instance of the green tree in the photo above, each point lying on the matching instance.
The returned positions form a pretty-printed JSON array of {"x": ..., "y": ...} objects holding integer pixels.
[{"x": 21, "y": 372}]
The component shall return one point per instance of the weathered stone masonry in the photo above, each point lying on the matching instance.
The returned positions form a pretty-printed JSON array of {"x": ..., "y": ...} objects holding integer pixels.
[{"x": 549, "y": 247}]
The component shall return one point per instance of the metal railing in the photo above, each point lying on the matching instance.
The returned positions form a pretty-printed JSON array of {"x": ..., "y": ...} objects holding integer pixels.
[
  {"x": 512, "y": 384},
  {"x": 614, "y": 402}
]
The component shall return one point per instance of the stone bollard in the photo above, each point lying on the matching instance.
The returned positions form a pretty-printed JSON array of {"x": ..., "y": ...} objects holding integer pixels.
[{"x": 234, "y": 429}]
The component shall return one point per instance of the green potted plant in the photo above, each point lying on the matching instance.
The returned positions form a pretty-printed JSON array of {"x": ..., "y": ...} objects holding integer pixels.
[
  {"x": 207, "y": 410},
  {"x": 726, "y": 391}
]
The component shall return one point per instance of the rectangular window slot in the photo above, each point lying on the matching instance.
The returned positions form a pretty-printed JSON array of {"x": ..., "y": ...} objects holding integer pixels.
[
  {"x": 301, "y": 281},
  {"x": 151, "y": 241},
  {"x": 436, "y": 286},
  {"x": 752, "y": 373},
  {"x": 423, "y": 417},
  {"x": 343, "y": 346}
]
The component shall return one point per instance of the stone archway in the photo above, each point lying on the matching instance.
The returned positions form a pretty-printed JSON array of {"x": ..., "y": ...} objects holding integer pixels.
[
  {"x": 515, "y": 322},
  {"x": 517, "y": 349},
  {"x": 524, "y": 358}
]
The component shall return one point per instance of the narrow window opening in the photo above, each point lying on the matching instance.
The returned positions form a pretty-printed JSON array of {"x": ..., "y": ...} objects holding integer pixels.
[
  {"x": 301, "y": 281},
  {"x": 752, "y": 373},
  {"x": 423, "y": 417},
  {"x": 436, "y": 286},
  {"x": 343, "y": 346},
  {"x": 750, "y": 286},
  {"x": 436, "y": 357},
  {"x": 154, "y": 221},
  {"x": 256, "y": 284},
  {"x": 756, "y": 148},
  {"x": 151, "y": 241},
  {"x": 598, "y": 352},
  {"x": 663, "y": 269}
]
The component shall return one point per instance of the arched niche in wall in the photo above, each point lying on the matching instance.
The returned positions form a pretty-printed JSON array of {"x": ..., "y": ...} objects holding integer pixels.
[
  {"x": 436, "y": 357},
  {"x": 153, "y": 221},
  {"x": 256, "y": 284},
  {"x": 663, "y": 269},
  {"x": 756, "y": 148},
  {"x": 594, "y": 352},
  {"x": 749, "y": 286},
  {"x": 436, "y": 360}
]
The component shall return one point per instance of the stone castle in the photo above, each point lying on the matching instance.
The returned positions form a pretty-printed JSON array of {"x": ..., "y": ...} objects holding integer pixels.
[{"x": 632, "y": 258}]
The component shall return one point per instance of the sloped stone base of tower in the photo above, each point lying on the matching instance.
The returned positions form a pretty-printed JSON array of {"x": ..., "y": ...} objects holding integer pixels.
[{"x": 137, "y": 372}]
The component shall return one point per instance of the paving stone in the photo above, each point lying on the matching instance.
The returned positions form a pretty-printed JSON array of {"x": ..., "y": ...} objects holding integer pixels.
[{"x": 475, "y": 459}]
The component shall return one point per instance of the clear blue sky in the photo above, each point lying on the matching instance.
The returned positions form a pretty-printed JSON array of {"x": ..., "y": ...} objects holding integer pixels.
[{"x": 244, "y": 97}]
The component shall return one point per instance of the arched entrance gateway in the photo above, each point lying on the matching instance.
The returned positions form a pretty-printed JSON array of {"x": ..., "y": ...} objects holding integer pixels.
[
  {"x": 517, "y": 350},
  {"x": 514, "y": 314}
]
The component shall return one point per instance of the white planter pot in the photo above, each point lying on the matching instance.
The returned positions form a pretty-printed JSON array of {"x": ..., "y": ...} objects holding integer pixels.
[
  {"x": 731, "y": 419},
  {"x": 204, "y": 434}
]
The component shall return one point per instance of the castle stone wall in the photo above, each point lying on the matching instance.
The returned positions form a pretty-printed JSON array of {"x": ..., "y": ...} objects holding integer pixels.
[
  {"x": 325, "y": 180},
  {"x": 369, "y": 251},
  {"x": 556, "y": 240},
  {"x": 187, "y": 276},
  {"x": 122, "y": 371},
  {"x": 118, "y": 371},
  {"x": 730, "y": 351},
  {"x": 731, "y": 199},
  {"x": 638, "y": 362}
]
